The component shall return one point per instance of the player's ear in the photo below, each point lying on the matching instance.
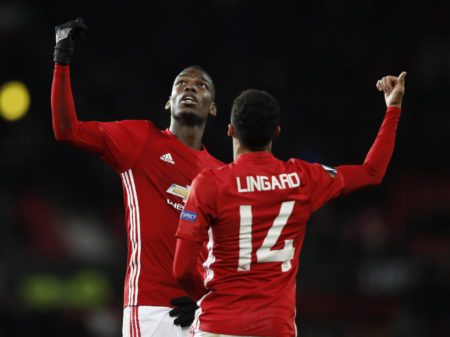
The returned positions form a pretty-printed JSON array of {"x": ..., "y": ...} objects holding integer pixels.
[
  {"x": 167, "y": 106},
  {"x": 213, "y": 109},
  {"x": 230, "y": 130},
  {"x": 277, "y": 132}
]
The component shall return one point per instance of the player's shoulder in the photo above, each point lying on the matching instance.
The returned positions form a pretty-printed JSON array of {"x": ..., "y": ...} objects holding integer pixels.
[
  {"x": 147, "y": 128},
  {"x": 133, "y": 125},
  {"x": 134, "y": 122},
  {"x": 206, "y": 177},
  {"x": 212, "y": 174},
  {"x": 220, "y": 169},
  {"x": 313, "y": 168},
  {"x": 125, "y": 127},
  {"x": 298, "y": 163}
]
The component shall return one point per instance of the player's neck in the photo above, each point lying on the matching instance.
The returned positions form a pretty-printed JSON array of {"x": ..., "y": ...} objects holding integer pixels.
[
  {"x": 189, "y": 135},
  {"x": 239, "y": 149}
]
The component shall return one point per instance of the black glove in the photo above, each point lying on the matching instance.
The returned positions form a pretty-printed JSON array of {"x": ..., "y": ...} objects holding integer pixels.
[
  {"x": 185, "y": 312},
  {"x": 66, "y": 36}
]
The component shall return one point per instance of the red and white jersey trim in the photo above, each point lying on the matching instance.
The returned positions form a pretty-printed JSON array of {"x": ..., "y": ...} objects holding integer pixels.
[
  {"x": 196, "y": 323},
  {"x": 135, "y": 236},
  {"x": 209, "y": 276},
  {"x": 135, "y": 329},
  {"x": 211, "y": 258}
]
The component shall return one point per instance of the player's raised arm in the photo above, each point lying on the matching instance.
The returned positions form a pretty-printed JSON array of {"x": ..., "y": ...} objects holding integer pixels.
[
  {"x": 66, "y": 126},
  {"x": 373, "y": 169}
]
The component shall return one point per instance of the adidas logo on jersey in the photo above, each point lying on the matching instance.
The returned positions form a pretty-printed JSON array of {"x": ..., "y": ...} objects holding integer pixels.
[{"x": 167, "y": 157}]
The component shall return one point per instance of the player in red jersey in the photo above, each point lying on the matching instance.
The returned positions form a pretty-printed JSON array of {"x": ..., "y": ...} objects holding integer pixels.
[
  {"x": 253, "y": 213},
  {"x": 156, "y": 168}
]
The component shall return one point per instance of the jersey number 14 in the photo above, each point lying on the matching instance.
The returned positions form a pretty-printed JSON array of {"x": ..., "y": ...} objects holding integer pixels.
[{"x": 265, "y": 252}]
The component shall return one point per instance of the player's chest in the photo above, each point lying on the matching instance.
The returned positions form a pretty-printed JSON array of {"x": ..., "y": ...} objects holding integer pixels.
[
  {"x": 169, "y": 170},
  {"x": 167, "y": 161}
]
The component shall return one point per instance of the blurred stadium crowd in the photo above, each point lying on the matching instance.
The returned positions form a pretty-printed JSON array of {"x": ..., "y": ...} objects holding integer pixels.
[{"x": 374, "y": 264}]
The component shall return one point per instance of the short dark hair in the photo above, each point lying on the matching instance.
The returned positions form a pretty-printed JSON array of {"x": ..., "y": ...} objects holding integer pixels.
[
  {"x": 255, "y": 116},
  {"x": 213, "y": 87}
]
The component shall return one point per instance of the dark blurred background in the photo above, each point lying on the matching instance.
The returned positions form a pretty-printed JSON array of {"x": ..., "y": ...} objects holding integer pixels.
[{"x": 376, "y": 263}]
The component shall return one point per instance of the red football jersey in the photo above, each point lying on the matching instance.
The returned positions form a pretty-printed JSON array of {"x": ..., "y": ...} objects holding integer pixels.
[
  {"x": 156, "y": 170},
  {"x": 258, "y": 207},
  {"x": 253, "y": 213}
]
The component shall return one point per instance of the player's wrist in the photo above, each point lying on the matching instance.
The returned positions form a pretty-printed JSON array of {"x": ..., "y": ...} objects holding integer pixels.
[
  {"x": 63, "y": 51},
  {"x": 393, "y": 110},
  {"x": 63, "y": 60},
  {"x": 61, "y": 67}
]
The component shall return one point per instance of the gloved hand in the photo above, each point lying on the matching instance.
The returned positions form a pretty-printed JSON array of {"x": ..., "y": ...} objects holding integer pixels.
[
  {"x": 185, "y": 312},
  {"x": 66, "y": 36}
]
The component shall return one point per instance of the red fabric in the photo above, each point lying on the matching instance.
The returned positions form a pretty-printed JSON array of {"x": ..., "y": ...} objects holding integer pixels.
[
  {"x": 373, "y": 169},
  {"x": 117, "y": 143},
  {"x": 253, "y": 212},
  {"x": 66, "y": 126},
  {"x": 184, "y": 264},
  {"x": 150, "y": 162}
]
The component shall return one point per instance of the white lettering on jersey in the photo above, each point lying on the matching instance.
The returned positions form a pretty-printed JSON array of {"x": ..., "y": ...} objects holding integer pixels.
[
  {"x": 265, "y": 253},
  {"x": 263, "y": 183},
  {"x": 175, "y": 205}
]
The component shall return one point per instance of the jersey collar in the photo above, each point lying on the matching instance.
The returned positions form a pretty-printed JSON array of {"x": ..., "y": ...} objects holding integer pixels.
[{"x": 170, "y": 134}]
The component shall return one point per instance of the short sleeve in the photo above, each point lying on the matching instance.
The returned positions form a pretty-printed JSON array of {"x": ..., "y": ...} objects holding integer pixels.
[
  {"x": 124, "y": 141},
  {"x": 324, "y": 183},
  {"x": 200, "y": 208}
]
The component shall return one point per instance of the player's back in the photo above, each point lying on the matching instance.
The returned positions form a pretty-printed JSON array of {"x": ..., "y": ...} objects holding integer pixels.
[{"x": 262, "y": 205}]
